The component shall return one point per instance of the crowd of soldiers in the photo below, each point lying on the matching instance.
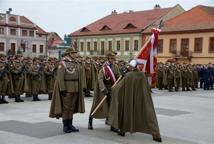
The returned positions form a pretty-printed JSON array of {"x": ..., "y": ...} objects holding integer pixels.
[
  {"x": 32, "y": 76},
  {"x": 184, "y": 76}
]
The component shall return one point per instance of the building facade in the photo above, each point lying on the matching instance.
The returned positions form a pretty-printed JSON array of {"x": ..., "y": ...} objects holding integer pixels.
[
  {"x": 57, "y": 46},
  {"x": 19, "y": 33},
  {"x": 120, "y": 32},
  {"x": 188, "y": 38}
]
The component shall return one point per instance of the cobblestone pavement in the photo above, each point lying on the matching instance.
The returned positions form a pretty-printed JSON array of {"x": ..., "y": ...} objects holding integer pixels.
[{"x": 184, "y": 118}]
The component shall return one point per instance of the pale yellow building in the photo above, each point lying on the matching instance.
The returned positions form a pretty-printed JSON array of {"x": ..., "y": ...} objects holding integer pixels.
[{"x": 120, "y": 32}]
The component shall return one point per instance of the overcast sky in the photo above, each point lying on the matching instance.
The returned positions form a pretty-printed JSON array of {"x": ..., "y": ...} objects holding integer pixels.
[{"x": 66, "y": 16}]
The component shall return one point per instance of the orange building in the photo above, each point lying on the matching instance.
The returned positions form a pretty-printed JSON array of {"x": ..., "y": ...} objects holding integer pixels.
[{"x": 188, "y": 37}]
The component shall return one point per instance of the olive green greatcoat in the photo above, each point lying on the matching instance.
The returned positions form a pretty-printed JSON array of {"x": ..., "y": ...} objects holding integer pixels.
[
  {"x": 101, "y": 84},
  {"x": 56, "y": 103},
  {"x": 132, "y": 108}
]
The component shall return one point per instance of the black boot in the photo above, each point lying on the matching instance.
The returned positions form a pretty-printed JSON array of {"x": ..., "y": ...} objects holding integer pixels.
[
  {"x": 157, "y": 139},
  {"x": 34, "y": 97},
  {"x": 90, "y": 123},
  {"x": 72, "y": 128},
  {"x": 37, "y": 98},
  {"x": 50, "y": 96},
  {"x": 66, "y": 126},
  {"x": 121, "y": 133},
  {"x": 106, "y": 122},
  {"x": 18, "y": 99},
  {"x": 4, "y": 101},
  {"x": 114, "y": 129},
  {"x": 1, "y": 102}
]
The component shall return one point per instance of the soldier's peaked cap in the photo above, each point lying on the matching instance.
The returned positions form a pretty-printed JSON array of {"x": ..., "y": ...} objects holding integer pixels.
[
  {"x": 110, "y": 55},
  {"x": 70, "y": 50}
]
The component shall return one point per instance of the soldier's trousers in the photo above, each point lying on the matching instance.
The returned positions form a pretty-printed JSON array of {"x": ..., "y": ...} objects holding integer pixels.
[
  {"x": 160, "y": 83},
  {"x": 69, "y": 103},
  {"x": 184, "y": 83},
  {"x": 18, "y": 86},
  {"x": 3, "y": 86}
]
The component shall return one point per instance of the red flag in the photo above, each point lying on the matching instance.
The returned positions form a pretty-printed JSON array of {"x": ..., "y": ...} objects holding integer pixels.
[{"x": 147, "y": 54}]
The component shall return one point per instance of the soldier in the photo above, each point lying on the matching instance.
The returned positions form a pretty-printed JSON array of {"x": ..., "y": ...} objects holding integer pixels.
[
  {"x": 184, "y": 78},
  {"x": 17, "y": 71},
  {"x": 89, "y": 76},
  {"x": 68, "y": 91},
  {"x": 160, "y": 75},
  {"x": 36, "y": 78},
  {"x": 106, "y": 78},
  {"x": 27, "y": 67},
  {"x": 4, "y": 79},
  {"x": 50, "y": 74},
  {"x": 170, "y": 78},
  {"x": 177, "y": 76},
  {"x": 132, "y": 108}
]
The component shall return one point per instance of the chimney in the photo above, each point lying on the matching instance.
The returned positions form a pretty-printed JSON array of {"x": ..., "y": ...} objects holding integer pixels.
[
  {"x": 114, "y": 12},
  {"x": 157, "y": 6}
]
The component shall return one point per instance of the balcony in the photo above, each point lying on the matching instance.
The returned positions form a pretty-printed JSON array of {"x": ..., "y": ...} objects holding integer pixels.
[{"x": 182, "y": 55}]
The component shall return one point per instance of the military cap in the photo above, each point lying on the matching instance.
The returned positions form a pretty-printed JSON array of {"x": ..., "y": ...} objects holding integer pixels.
[
  {"x": 70, "y": 50},
  {"x": 110, "y": 55}
]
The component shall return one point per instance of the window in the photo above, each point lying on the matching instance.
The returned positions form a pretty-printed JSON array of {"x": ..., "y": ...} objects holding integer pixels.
[
  {"x": 102, "y": 47},
  {"x": 129, "y": 26},
  {"x": 12, "y": 31},
  {"x": 13, "y": 47},
  {"x": 81, "y": 46},
  {"x": 12, "y": 19},
  {"x": 31, "y": 34},
  {"x": 173, "y": 46},
  {"x": 34, "y": 48},
  {"x": 88, "y": 46},
  {"x": 95, "y": 46},
  {"x": 105, "y": 28},
  {"x": 84, "y": 30},
  {"x": 1, "y": 46},
  {"x": 136, "y": 45},
  {"x": 110, "y": 45},
  {"x": 211, "y": 46},
  {"x": 41, "y": 48},
  {"x": 118, "y": 45},
  {"x": 23, "y": 46},
  {"x": 24, "y": 32},
  {"x": 185, "y": 47},
  {"x": 1, "y": 30},
  {"x": 198, "y": 45},
  {"x": 127, "y": 45},
  {"x": 160, "y": 46}
]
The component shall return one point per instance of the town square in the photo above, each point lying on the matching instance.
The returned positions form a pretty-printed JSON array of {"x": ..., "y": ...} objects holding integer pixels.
[{"x": 111, "y": 72}]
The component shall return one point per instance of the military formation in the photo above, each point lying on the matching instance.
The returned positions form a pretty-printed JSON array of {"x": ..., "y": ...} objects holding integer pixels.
[
  {"x": 114, "y": 84},
  {"x": 24, "y": 75},
  {"x": 184, "y": 77}
]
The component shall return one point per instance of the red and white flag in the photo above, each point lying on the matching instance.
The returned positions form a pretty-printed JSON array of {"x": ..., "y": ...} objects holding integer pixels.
[{"x": 147, "y": 54}]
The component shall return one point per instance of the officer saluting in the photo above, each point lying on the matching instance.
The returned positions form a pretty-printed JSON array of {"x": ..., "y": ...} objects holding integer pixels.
[{"x": 68, "y": 91}]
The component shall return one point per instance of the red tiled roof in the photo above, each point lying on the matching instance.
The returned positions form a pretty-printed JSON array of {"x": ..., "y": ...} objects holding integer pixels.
[
  {"x": 198, "y": 18},
  {"x": 23, "y": 19},
  {"x": 41, "y": 31},
  {"x": 117, "y": 22}
]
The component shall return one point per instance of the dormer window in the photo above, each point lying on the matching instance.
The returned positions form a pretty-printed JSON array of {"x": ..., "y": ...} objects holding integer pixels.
[
  {"x": 84, "y": 30},
  {"x": 129, "y": 26},
  {"x": 12, "y": 19},
  {"x": 104, "y": 28}
]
